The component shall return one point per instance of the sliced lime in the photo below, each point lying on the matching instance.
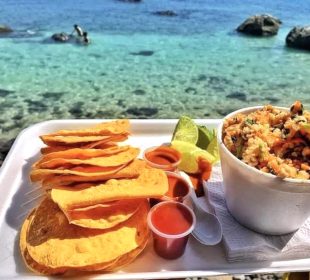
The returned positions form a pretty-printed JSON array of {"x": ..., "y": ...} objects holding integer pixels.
[
  {"x": 185, "y": 130},
  {"x": 213, "y": 149},
  {"x": 205, "y": 136},
  {"x": 190, "y": 155}
]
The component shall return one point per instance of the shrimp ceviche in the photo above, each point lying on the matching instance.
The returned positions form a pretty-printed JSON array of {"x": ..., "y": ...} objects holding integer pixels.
[{"x": 272, "y": 140}]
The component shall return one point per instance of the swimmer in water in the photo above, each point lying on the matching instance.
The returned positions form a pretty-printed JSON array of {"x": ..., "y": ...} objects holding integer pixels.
[
  {"x": 78, "y": 30},
  {"x": 86, "y": 40}
]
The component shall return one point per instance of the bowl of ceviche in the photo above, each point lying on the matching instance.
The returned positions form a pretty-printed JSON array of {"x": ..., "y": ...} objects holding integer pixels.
[{"x": 265, "y": 158}]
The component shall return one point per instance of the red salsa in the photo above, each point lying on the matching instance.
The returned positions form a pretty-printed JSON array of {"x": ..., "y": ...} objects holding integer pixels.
[
  {"x": 172, "y": 219},
  {"x": 171, "y": 223},
  {"x": 164, "y": 157},
  {"x": 177, "y": 187}
]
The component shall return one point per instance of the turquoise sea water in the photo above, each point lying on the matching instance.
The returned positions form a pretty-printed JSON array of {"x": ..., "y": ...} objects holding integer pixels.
[{"x": 196, "y": 63}]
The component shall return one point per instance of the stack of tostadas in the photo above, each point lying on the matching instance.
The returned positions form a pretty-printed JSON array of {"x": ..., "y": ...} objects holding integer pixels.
[{"x": 93, "y": 216}]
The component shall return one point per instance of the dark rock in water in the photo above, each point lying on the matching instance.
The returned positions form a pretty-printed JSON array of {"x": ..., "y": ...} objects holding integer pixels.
[
  {"x": 36, "y": 105},
  {"x": 190, "y": 90},
  {"x": 260, "y": 25},
  {"x": 4, "y": 29},
  {"x": 273, "y": 99},
  {"x": 237, "y": 95},
  {"x": 142, "y": 111},
  {"x": 201, "y": 78},
  {"x": 217, "y": 80},
  {"x": 206, "y": 114},
  {"x": 53, "y": 95},
  {"x": 139, "y": 92},
  {"x": 130, "y": 1},
  {"x": 120, "y": 103},
  {"x": 299, "y": 37},
  {"x": 5, "y": 146},
  {"x": 18, "y": 117},
  {"x": 143, "y": 53},
  {"x": 77, "y": 110},
  {"x": 5, "y": 92},
  {"x": 225, "y": 111},
  {"x": 61, "y": 37},
  {"x": 167, "y": 13}
]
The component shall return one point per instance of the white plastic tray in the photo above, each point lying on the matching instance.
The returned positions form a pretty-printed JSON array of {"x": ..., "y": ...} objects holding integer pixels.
[{"x": 16, "y": 201}]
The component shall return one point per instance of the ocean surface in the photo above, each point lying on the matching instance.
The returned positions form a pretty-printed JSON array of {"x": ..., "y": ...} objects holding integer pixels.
[{"x": 140, "y": 65}]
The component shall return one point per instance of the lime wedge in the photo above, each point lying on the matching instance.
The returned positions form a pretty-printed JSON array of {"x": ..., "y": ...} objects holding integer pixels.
[
  {"x": 213, "y": 149},
  {"x": 185, "y": 130},
  {"x": 190, "y": 154},
  {"x": 205, "y": 136}
]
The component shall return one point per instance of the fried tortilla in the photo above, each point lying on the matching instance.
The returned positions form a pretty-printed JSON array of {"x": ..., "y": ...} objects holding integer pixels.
[
  {"x": 132, "y": 170},
  {"x": 77, "y": 153},
  {"x": 104, "y": 216},
  {"x": 87, "y": 171},
  {"x": 108, "y": 160},
  {"x": 28, "y": 260},
  {"x": 150, "y": 183},
  {"x": 52, "y": 149},
  {"x": 53, "y": 242},
  {"x": 106, "y": 128}
]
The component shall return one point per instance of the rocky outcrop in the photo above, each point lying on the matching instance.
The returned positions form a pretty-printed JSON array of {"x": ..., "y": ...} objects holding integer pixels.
[
  {"x": 167, "y": 13},
  {"x": 299, "y": 37},
  {"x": 5, "y": 29},
  {"x": 260, "y": 25},
  {"x": 60, "y": 37}
]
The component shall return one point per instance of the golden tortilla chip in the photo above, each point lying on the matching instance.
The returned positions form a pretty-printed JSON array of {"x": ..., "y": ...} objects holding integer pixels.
[
  {"x": 116, "y": 138},
  {"x": 150, "y": 183},
  {"x": 104, "y": 216},
  {"x": 132, "y": 170},
  {"x": 52, "y": 149},
  {"x": 53, "y": 242},
  {"x": 108, "y": 160},
  {"x": 88, "y": 171},
  {"x": 127, "y": 258},
  {"x": 106, "y": 128},
  {"x": 67, "y": 140},
  {"x": 29, "y": 261},
  {"x": 77, "y": 153}
]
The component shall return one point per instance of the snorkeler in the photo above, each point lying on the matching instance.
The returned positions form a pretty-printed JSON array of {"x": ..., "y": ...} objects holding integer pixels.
[{"x": 78, "y": 30}]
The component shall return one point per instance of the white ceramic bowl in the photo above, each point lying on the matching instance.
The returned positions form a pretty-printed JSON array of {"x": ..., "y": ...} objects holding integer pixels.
[{"x": 261, "y": 201}]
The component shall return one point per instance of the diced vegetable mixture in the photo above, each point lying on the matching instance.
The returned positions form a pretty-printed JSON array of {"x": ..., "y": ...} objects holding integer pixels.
[{"x": 272, "y": 140}]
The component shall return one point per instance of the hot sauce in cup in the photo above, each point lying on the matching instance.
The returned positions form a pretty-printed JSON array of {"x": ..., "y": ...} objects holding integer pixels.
[
  {"x": 162, "y": 157},
  {"x": 178, "y": 189},
  {"x": 171, "y": 223}
]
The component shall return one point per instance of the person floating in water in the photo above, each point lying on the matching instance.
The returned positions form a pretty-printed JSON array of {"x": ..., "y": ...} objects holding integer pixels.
[
  {"x": 78, "y": 30},
  {"x": 86, "y": 40}
]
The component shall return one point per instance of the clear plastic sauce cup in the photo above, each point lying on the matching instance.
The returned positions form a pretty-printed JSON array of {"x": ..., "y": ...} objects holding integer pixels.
[
  {"x": 178, "y": 189},
  {"x": 162, "y": 157},
  {"x": 171, "y": 224}
]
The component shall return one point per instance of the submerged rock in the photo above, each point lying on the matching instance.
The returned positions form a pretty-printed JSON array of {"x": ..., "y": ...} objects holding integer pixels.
[
  {"x": 190, "y": 90},
  {"x": 237, "y": 95},
  {"x": 60, "y": 37},
  {"x": 167, "y": 13},
  {"x": 5, "y": 29},
  {"x": 5, "y": 92},
  {"x": 139, "y": 92},
  {"x": 260, "y": 25},
  {"x": 143, "y": 53},
  {"x": 142, "y": 111},
  {"x": 299, "y": 37},
  {"x": 53, "y": 95},
  {"x": 5, "y": 146}
]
